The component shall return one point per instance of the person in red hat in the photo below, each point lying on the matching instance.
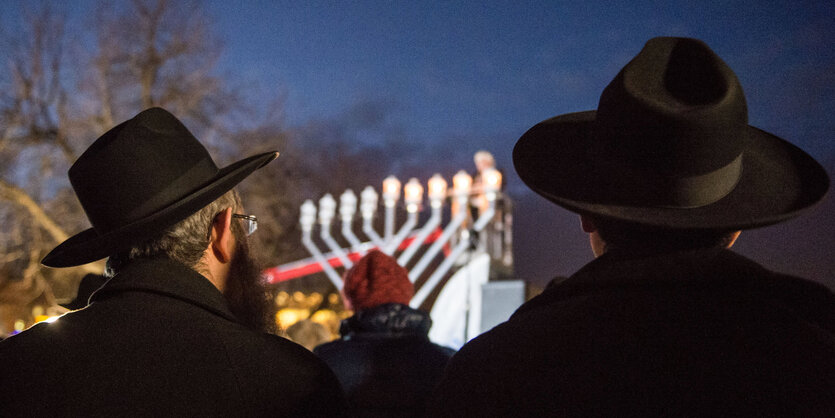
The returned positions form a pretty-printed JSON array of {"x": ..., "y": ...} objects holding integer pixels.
[
  {"x": 384, "y": 359},
  {"x": 180, "y": 327},
  {"x": 666, "y": 321}
]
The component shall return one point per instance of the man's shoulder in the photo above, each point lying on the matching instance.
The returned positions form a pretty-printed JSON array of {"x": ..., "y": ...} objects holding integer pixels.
[
  {"x": 601, "y": 329},
  {"x": 621, "y": 293},
  {"x": 270, "y": 364},
  {"x": 720, "y": 271},
  {"x": 277, "y": 350},
  {"x": 414, "y": 345},
  {"x": 442, "y": 350},
  {"x": 331, "y": 348},
  {"x": 42, "y": 341}
]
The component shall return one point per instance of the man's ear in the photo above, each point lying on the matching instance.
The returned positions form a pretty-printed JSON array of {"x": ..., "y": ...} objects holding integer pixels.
[
  {"x": 588, "y": 224},
  {"x": 221, "y": 242}
]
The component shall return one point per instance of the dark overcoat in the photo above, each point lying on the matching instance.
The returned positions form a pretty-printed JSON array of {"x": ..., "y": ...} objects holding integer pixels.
[
  {"x": 704, "y": 333},
  {"x": 385, "y": 361},
  {"x": 159, "y": 340}
]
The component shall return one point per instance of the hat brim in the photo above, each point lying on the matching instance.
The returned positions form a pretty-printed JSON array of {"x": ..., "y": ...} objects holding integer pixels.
[
  {"x": 88, "y": 246},
  {"x": 778, "y": 180}
]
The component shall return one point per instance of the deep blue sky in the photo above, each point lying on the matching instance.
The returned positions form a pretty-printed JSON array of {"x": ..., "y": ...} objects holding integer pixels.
[
  {"x": 479, "y": 74},
  {"x": 481, "y": 69}
]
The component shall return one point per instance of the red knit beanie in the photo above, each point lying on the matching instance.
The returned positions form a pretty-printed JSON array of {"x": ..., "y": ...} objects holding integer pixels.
[{"x": 377, "y": 279}]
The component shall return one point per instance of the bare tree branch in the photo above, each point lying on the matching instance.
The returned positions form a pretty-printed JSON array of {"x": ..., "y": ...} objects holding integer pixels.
[{"x": 21, "y": 198}]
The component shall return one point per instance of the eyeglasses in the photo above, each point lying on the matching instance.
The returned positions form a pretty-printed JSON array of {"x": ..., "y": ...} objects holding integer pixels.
[{"x": 249, "y": 221}]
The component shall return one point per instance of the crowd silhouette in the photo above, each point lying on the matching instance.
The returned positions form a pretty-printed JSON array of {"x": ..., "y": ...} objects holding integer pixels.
[{"x": 666, "y": 321}]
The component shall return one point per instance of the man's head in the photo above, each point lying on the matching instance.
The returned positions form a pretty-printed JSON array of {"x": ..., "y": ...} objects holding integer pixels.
[
  {"x": 150, "y": 189},
  {"x": 483, "y": 160},
  {"x": 215, "y": 244},
  {"x": 185, "y": 242},
  {"x": 606, "y": 234},
  {"x": 375, "y": 280},
  {"x": 669, "y": 154}
]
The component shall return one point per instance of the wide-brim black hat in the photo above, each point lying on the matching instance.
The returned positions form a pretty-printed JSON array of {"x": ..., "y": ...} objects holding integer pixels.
[
  {"x": 139, "y": 178},
  {"x": 670, "y": 146}
]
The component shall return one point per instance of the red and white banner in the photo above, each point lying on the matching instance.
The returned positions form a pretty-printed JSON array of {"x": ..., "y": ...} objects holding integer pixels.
[{"x": 309, "y": 265}]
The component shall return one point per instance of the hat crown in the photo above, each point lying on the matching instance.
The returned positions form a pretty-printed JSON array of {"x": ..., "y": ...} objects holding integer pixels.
[
  {"x": 676, "y": 104},
  {"x": 138, "y": 168},
  {"x": 674, "y": 113}
]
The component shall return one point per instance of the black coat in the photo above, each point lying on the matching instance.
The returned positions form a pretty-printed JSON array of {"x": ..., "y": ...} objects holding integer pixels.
[
  {"x": 706, "y": 333},
  {"x": 159, "y": 340},
  {"x": 385, "y": 361}
]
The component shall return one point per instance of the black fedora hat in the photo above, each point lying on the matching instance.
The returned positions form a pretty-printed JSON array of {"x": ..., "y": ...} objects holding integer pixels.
[
  {"x": 670, "y": 146},
  {"x": 139, "y": 178}
]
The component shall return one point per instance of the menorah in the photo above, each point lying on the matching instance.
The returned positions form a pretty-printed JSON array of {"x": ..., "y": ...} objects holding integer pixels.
[
  {"x": 390, "y": 242},
  {"x": 444, "y": 246}
]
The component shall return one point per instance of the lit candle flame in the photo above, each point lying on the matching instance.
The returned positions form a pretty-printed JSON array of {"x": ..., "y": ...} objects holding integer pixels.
[
  {"x": 461, "y": 183},
  {"x": 391, "y": 188},
  {"x": 437, "y": 187}
]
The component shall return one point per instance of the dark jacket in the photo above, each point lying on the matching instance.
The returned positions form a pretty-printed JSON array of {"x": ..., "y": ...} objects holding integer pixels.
[
  {"x": 159, "y": 340},
  {"x": 385, "y": 361},
  {"x": 705, "y": 333}
]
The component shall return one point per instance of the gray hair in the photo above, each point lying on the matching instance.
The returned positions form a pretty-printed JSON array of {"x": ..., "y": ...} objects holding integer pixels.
[{"x": 184, "y": 242}]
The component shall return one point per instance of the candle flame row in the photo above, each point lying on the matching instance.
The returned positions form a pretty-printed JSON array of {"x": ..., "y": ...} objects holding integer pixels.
[{"x": 412, "y": 196}]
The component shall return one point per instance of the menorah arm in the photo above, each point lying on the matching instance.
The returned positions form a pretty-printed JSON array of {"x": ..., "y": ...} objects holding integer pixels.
[
  {"x": 317, "y": 255},
  {"x": 436, "y": 246},
  {"x": 351, "y": 237},
  {"x": 439, "y": 273},
  {"x": 459, "y": 249},
  {"x": 325, "y": 234},
  {"x": 424, "y": 232},
  {"x": 368, "y": 229},
  {"x": 389, "y": 223},
  {"x": 407, "y": 227}
]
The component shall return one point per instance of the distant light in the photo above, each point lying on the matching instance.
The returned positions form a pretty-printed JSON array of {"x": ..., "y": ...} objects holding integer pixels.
[
  {"x": 437, "y": 190},
  {"x": 492, "y": 182},
  {"x": 324, "y": 316},
  {"x": 289, "y": 316},
  {"x": 46, "y": 318},
  {"x": 314, "y": 299},
  {"x": 461, "y": 183},
  {"x": 391, "y": 190},
  {"x": 333, "y": 298},
  {"x": 413, "y": 195},
  {"x": 282, "y": 298}
]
